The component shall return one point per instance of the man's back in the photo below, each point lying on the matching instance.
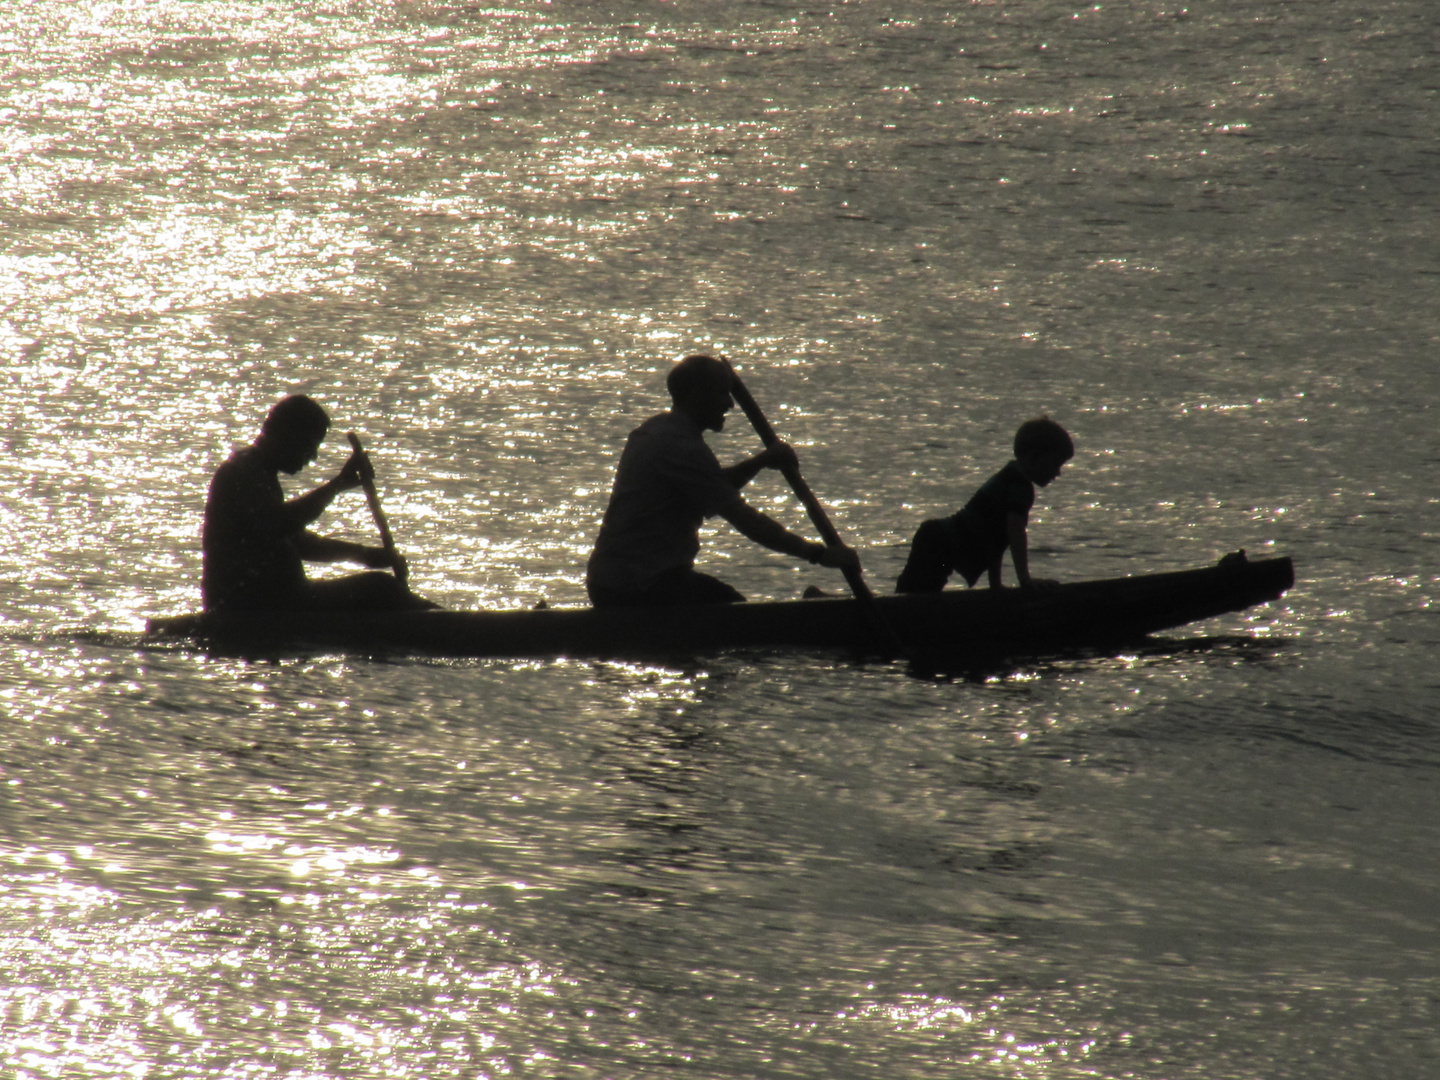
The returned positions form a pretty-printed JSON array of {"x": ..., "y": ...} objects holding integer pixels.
[
  {"x": 250, "y": 558},
  {"x": 666, "y": 484}
]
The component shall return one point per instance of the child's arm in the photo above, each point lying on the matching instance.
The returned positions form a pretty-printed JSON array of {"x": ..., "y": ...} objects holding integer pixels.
[
  {"x": 1020, "y": 552},
  {"x": 1015, "y": 530},
  {"x": 995, "y": 568}
]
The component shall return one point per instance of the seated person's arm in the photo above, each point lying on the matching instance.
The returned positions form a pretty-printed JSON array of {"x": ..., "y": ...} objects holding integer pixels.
[
  {"x": 780, "y": 456},
  {"x": 305, "y": 509},
  {"x": 325, "y": 549},
  {"x": 769, "y": 533}
]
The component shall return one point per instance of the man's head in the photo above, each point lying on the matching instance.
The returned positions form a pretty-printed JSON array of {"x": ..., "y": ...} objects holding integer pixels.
[
  {"x": 700, "y": 387},
  {"x": 1041, "y": 448},
  {"x": 293, "y": 431}
]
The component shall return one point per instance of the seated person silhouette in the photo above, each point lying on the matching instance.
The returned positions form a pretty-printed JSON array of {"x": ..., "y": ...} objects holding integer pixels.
[
  {"x": 255, "y": 542},
  {"x": 667, "y": 483}
]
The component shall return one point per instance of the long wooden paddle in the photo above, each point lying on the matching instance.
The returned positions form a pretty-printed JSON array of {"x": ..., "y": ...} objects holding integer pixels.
[
  {"x": 818, "y": 517},
  {"x": 367, "y": 481}
]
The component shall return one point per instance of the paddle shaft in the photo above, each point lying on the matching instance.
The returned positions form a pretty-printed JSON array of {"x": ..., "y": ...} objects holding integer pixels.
[
  {"x": 818, "y": 517},
  {"x": 373, "y": 498}
]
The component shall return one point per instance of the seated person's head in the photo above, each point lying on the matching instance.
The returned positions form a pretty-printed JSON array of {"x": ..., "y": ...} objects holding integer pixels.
[
  {"x": 294, "y": 428},
  {"x": 697, "y": 376},
  {"x": 296, "y": 414},
  {"x": 700, "y": 386}
]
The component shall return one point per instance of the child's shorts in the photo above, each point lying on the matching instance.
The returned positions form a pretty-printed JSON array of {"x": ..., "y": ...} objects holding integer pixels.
[{"x": 940, "y": 548}]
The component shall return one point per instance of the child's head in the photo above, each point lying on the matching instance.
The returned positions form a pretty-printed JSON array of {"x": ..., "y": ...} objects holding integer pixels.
[
  {"x": 1041, "y": 447},
  {"x": 1043, "y": 436}
]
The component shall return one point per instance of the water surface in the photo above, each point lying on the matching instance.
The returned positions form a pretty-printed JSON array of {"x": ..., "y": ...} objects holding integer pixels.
[{"x": 1195, "y": 236}]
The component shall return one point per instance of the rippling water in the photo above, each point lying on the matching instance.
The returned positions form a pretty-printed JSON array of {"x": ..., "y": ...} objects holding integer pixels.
[{"x": 1201, "y": 237}]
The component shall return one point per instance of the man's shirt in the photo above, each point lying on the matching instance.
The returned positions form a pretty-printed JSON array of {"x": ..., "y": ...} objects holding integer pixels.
[
  {"x": 667, "y": 483},
  {"x": 248, "y": 540}
]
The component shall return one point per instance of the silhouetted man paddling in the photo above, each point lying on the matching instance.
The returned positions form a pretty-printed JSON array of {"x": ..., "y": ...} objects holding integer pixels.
[
  {"x": 667, "y": 483},
  {"x": 255, "y": 542}
]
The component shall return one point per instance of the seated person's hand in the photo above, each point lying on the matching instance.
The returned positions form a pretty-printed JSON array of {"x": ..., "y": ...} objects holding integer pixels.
[
  {"x": 839, "y": 557},
  {"x": 355, "y": 471},
  {"x": 378, "y": 558},
  {"x": 780, "y": 456}
]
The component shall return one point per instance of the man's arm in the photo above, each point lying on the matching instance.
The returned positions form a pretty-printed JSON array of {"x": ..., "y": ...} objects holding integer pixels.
[
  {"x": 779, "y": 456},
  {"x": 306, "y": 509},
  {"x": 325, "y": 549},
  {"x": 769, "y": 533}
]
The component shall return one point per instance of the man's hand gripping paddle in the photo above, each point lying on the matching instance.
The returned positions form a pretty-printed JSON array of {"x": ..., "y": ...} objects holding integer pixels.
[
  {"x": 367, "y": 481},
  {"x": 819, "y": 518}
]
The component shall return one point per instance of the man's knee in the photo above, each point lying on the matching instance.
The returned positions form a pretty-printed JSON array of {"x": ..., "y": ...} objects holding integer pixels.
[
  {"x": 674, "y": 588},
  {"x": 375, "y": 590}
]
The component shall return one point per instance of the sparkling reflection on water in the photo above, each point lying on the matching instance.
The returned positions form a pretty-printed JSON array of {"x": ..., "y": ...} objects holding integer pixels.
[
  {"x": 478, "y": 235},
  {"x": 357, "y": 935},
  {"x": 433, "y": 869}
]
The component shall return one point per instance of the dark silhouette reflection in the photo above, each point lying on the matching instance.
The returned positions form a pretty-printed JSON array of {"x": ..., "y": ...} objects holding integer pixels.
[
  {"x": 255, "y": 542},
  {"x": 973, "y": 540},
  {"x": 939, "y": 665},
  {"x": 667, "y": 483},
  {"x": 671, "y": 762}
]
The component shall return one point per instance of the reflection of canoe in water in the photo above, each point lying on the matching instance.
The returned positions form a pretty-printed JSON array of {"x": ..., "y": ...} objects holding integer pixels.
[{"x": 956, "y": 623}]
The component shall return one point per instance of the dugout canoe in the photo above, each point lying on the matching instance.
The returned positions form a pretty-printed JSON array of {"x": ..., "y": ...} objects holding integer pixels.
[{"x": 957, "y": 622}]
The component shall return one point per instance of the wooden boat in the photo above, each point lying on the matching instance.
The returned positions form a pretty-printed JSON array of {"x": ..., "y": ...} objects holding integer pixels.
[{"x": 958, "y": 622}]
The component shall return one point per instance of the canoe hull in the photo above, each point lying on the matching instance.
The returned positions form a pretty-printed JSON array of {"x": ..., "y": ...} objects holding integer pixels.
[{"x": 982, "y": 622}]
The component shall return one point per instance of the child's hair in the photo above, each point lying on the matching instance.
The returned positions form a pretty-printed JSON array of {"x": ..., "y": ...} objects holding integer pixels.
[{"x": 1043, "y": 436}]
